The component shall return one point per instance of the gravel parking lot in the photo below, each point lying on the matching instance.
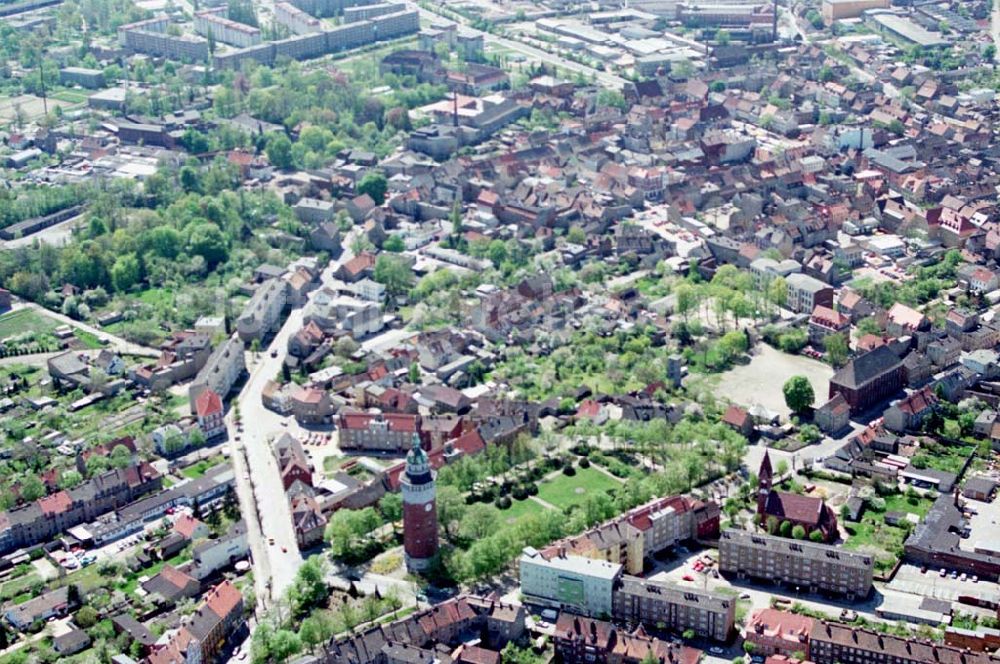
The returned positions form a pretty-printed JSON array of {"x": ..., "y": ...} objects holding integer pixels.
[{"x": 760, "y": 381}]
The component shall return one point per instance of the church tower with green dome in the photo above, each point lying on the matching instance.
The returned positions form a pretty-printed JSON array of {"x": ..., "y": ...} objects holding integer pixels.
[{"x": 420, "y": 525}]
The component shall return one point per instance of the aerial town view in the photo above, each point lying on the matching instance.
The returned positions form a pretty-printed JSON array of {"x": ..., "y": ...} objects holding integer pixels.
[{"x": 499, "y": 332}]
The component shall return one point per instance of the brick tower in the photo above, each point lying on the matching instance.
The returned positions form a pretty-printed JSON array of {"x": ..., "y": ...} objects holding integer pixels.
[
  {"x": 765, "y": 479},
  {"x": 420, "y": 526}
]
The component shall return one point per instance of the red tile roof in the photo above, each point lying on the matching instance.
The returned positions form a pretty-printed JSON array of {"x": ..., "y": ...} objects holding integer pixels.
[
  {"x": 208, "y": 403},
  {"x": 223, "y": 599},
  {"x": 187, "y": 525},
  {"x": 57, "y": 503},
  {"x": 780, "y": 624}
]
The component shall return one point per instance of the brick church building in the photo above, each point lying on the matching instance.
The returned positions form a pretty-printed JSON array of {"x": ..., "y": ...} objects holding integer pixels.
[{"x": 811, "y": 513}]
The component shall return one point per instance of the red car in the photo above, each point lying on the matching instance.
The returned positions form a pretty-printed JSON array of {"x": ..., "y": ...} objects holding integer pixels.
[{"x": 688, "y": 577}]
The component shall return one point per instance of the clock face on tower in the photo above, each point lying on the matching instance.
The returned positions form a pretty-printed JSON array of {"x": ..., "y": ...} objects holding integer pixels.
[{"x": 428, "y": 507}]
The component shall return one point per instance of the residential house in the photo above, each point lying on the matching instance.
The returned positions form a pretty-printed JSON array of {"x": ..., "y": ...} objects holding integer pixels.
[
  {"x": 293, "y": 464},
  {"x": 210, "y": 415},
  {"x": 908, "y": 414},
  {"x": 826, "y": 321},
  {"x": 904, "y": 321}
]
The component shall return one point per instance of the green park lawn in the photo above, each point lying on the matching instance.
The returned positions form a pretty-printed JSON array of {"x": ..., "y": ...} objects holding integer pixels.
[
  {"x": 197, "y": 470},
  {"x": 564, "y": 491},
  {"x": 521, "y": 508}
]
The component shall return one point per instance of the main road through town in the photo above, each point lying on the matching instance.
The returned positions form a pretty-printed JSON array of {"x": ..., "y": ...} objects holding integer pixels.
[{"x": 258, "y": 481}]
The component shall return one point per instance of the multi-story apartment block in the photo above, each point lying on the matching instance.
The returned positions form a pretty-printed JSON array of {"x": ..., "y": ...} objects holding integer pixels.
[
  {"x": 365, "y": 12},
  {"x": 43, "y": 519},
  {"x": 151, "y": 37},
  {"x": 210, "y": 22},
  {"x": 807, "y": 565},
  {"x": 830, "y": 643},
  {"x": 220, "y": 373},
  {"x": 263, "y": 312},
  {"x": 644, "y": 531},
  {"x": 296, "y": 20},
  {"x": 638, "y": 600},
  {"x": 573, "y": 583}
]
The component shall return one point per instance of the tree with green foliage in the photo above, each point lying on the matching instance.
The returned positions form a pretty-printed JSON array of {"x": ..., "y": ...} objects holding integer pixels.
[
  {"x": 69, "y": 479},
  {"x": 279, "y": 152},
  {"x": 837, "y": 349},
  {"x": 394, "y": 244},
  {"x": 348, "y": 532},
  {"x": 86, "y": 617},
  {"x": 375, "y": 185},
  {"x": 799, "y": 395},
  {"x": 515, "y": 654},
  {"x": 450, "y": 509},
  {"x": 125, "y": 273},
  {"x": 799, "y": 532},
  {"x": 394, "y": 273},
  {"x": 31, "y": 488},
  {"x": 786, "y": 528},
  {"x": 283, "y": 644},
  {"x": 391, "y": 507},
  {"x": 309, "y": 589},
  {"x": 120, "y": 457},
  {"x": 208, "y": 241}
]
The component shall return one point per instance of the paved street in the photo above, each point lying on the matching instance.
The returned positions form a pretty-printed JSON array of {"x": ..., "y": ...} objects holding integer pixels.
[{"x": 258, "y": 482}]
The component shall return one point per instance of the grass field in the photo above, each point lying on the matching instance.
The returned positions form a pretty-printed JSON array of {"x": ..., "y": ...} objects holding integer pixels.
[
  {"x": 197, "y": 470},
  {"x": 71, "y": 96},
  {"x": 564, "y": 491},
  {"x": 25, "y": 320},
  {"x": 18, "y": 585},
  {"x": 521, "y": 508},
  {"x": 87, "y": 339}
]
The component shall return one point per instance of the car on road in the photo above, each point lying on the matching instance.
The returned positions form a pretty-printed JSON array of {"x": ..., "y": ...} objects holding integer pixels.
[
  {"x": 745, "y": 596},
  {"x": 716, "y": 650},
  {"x": 270, "y": 540},
  {"x": 274, "y": 353}
]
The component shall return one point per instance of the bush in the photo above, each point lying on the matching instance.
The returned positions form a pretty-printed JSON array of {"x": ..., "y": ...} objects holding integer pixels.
[
  {"x": 503, "y": 503},
  {"x": 519, "y": 493},
  {"x": 585, "y": 462},
  {"x": 532, "y": 489},
  {"x": 569, "y": 471},
  {"x": 876, "y": 503}
]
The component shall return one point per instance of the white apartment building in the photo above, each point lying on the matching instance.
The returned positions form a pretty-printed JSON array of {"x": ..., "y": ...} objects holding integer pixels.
[{"x": 582, "y": 585}]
